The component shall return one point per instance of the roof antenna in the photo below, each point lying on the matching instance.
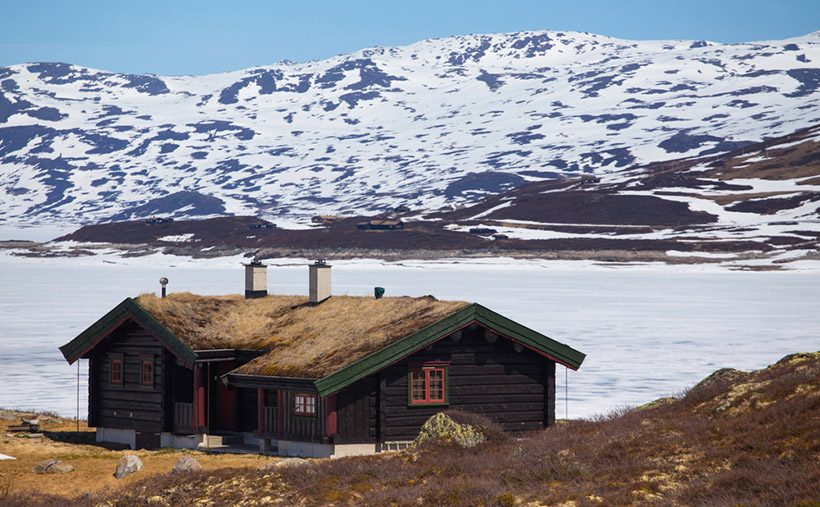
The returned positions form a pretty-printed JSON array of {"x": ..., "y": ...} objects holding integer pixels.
[{"x": 163, "y": 281}]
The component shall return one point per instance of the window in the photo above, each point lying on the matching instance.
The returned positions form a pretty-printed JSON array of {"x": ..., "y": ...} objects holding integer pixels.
[
  {"x": 428, "y": 384},
  {"x": 146, "y": 370},
  {"x": 116, "y": 369},
  {"x": 304, "y": 404}
]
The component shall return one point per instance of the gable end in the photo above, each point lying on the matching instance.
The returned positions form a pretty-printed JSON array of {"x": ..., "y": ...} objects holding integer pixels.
[
  {"x": 554, "y": 350},
  {"x": 128, "y": 309}
]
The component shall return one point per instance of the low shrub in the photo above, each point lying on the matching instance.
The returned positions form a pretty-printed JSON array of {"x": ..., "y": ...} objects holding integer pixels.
[{"x": 683, "y": 452}]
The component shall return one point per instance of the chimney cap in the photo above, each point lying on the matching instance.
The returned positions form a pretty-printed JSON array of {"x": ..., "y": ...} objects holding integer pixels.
[
  {"x": 163, "y": 281},
  {"x": 320, "y": 262},
  {"x": 255, "y": 262}
]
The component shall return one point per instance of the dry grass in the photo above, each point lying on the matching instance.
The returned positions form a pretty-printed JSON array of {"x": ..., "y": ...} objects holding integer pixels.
[
  {"x": 738, "y": 439},
  {"x": 304, "y": 341},
  {"x": 94, "y": 463},
  {"x": 727, "y": 199},
  {"x": 800, "y": 161}
]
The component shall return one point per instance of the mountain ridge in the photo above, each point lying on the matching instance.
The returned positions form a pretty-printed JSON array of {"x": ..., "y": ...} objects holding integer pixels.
[{"x": 437, "y": 123}]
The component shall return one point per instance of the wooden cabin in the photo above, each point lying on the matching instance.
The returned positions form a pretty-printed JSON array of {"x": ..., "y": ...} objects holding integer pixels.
[
  {"x": 325, "y": 219},
  {"x": 482, "y": 230},
  {"x": 309, "y": 376},
  {"x": 159, "y": 220},
  {"x": 263, "y": 225},
  {"x": 380, "y": 225}
]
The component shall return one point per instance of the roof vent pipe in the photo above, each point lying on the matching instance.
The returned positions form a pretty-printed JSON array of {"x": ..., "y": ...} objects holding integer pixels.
[
  {"x": 256, "y": 280},
  {"x": 163, "y": 282},
  {"x": 319, "y": 282}
]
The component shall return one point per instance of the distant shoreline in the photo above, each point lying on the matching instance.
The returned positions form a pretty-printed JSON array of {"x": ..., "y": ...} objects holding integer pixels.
[{"x": 752, "y": 261}]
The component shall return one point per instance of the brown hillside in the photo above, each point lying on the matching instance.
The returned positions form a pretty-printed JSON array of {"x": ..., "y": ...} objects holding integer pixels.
[{"x": 734, "y": 439}]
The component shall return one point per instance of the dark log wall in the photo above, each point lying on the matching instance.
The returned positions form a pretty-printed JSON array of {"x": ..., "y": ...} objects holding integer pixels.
[
  {"x": 131, "y": 405},
  {"x": 246, "y": 399},
  {"x": 167, "y": 387},
  {"x": 357, "y": 414},
  {"x": 303, "y": 428},
  {"x": 93, "y": 376},
  {"x": 515, "y": 389},
  {"x": 182, "y": 383}
]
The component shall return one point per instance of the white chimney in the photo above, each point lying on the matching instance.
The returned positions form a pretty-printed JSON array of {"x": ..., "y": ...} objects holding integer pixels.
[
  {"x": 319, "y": 282},
  {"x": 256, "y": 280}
]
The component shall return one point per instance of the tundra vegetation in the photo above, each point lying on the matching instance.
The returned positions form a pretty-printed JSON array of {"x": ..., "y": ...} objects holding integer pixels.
[{"x": 736, "y": 438}]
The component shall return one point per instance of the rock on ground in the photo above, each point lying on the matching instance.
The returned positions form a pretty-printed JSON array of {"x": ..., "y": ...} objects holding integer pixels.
[
  {"x": 287, "y": 462},
  {"x": 52, "y": 466},
  {"x": 186, "y": 464},
  {"x": 127, "y": 465},
  {"x": 443, "y": 427}
]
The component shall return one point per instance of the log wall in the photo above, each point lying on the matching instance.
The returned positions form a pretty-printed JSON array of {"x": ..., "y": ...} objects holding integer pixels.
[
  {"x": 130, "y": 405},
  {"x": 514, "y": 389},
  {"x": 301, "y": 428},
  {"x": 357, "y": 412}
]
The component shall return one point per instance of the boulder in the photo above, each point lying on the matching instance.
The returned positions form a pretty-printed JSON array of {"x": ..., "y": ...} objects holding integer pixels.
[
  {"x": 186, "y": 464},
  {"x": 723, "y": 377},
  {"x": 657, "y": 403},
  {"x": 127, "y": 465},
  {"x": 52, "y": 466},
  {"x": 443, "y": 427},
  {"x": 8, "y": 415}
]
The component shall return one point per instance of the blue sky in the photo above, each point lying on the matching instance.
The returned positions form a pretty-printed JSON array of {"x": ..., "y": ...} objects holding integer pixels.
[{"x": 173, "y": 37}]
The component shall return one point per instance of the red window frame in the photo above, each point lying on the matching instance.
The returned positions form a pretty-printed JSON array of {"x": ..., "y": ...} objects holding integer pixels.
[
  {"x": 427, "y": 384},
  {"x": 146, "y": 370},
  {"x": 116, "y": 370},
  {"x": 304, "y": 404}
]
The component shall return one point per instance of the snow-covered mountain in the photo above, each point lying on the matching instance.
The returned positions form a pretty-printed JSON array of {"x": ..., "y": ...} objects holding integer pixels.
[{"x": 436, "y": 123}]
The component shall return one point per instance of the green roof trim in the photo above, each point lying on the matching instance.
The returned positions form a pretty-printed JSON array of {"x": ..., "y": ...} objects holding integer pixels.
[
  {"x": 380, "y": 359},
  {"x": 86, "y": 340}
]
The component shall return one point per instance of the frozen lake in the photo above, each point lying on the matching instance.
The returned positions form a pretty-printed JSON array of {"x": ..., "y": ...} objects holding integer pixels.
[{"x": 647, "y": 331}]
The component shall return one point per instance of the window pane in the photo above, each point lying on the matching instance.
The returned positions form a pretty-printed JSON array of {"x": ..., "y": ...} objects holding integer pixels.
[
  {"x": 116, "y": 371},
  {"x": 304, "y": 404},
  {"x": 436, "y": 385},
  {"x": 147, "y": 373},
  {"x": 418, "y": 387}
]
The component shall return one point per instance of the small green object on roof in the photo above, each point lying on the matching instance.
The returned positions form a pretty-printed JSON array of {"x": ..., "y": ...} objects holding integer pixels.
[{"x": 378, "y": 292}]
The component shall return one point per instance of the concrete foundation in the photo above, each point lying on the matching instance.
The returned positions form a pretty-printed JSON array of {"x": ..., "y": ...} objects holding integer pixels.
[
  {"x": 181, "y": 441},
  {"x": 266, "y": 445},
  {"x": 117, "y": 436},
  {"x": 129, "y": 438}
]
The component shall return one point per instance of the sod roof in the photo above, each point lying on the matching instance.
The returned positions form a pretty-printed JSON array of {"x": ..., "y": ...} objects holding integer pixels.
[{"x": 302, "y": 340}]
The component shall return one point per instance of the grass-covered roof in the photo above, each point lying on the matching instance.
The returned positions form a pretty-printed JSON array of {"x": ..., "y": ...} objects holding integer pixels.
[{"x": 303, "y": 340}]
